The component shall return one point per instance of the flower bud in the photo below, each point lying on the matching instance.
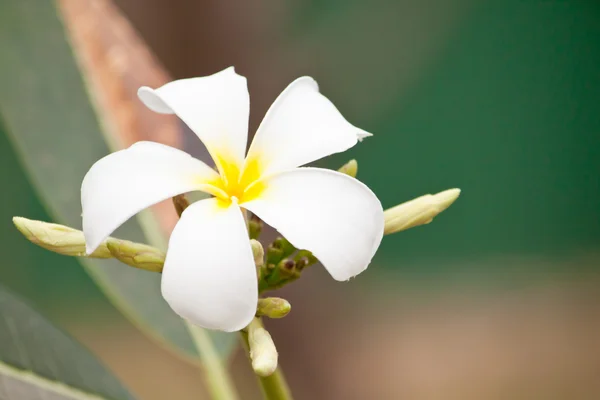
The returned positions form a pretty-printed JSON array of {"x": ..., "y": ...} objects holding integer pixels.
[
  {"x": 301, "y": 263},
  {"x": 350, "y": 168},
  {"x": 287, "y": 269},
  {"x": 257, "y": 252},
  {"x": 58, "y": 238},
  {"x": 262, "y": 349},
  {"x": 255, "y": 226},
  {"x": 273, "y": 307},
  {"x": 274, "y": 255},
  {"x": 136, "y": 254},
  {"x": 418, "y": 211},
  {"x": 305, "y": 258},
  {"x": 286, "y": 247}
]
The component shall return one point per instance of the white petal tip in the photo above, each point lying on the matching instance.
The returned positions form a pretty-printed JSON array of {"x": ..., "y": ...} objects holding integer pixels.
[
  {"x": 309, "y": 81},
  {"x": 345, "y": 277},
  {"x": 230, "y": 324},
  {"x": 360, "y": 135},
  {"x": 231, "y": 70},
  {"x": 241, "y": 325},
  {"x": 151, "y": 100}
]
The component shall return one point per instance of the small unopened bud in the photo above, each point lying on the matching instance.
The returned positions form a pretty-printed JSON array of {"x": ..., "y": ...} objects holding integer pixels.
[
  {"x": 257, "y": 252},
  {"x": 58, "y": 238},
  {"x": 136, "y": 254},
  {"x": 287, "y": 264},
  {"x": 305, "y": 258},
  {"x": 273, "y": 307},
  {"x": 180, "y": 202},
  {"x": 350, "y": 168},
  {"x": 255, "y": 226},
  {"x": 286, "y": 247},
  {"x": 262, "y": 349},
  {"x": 301, "y": 263},
  {"x": 274, "y": 255},
  {"x": 287, "y": 269},
  {"x": 418, "y": 211}
]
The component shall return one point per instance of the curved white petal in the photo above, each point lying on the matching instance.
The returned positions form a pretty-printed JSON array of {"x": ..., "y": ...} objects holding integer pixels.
[
  {"x": 209, "y": 275},
  {"x": 301, "y": 126},
  {"x": 331, "y": 214},
  {"x": 127, "y": 181},
  {"x": 215, "y": 107}
]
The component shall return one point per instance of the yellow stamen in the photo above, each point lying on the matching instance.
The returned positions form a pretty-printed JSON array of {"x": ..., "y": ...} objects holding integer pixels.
[{"x": 243, "y": 186}]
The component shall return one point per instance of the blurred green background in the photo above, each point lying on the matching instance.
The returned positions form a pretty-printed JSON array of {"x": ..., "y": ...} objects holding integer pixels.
[{"x": 498, "y": 98}]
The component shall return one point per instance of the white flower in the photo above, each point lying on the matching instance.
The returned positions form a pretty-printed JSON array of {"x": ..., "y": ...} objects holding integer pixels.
[{"x": 209, "y": 275}]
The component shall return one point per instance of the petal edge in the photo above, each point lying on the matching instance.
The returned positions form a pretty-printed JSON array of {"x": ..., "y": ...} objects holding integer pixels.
[
  {"x": 300, "y": 127},
  {"x": 125, "y": 182},
  {"x": 333, "y": 215},
  {"x": 209, "y": 275}
]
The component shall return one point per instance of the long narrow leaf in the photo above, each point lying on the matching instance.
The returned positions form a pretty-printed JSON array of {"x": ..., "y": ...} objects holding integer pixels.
[
  {"x": 38, "y": 361},
  {"x": 52, "y": 123}
]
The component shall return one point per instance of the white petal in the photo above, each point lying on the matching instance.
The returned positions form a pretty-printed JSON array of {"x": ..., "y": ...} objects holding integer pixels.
[
  {"x": 331, "y": 214},
  {"x": 209, "y": 276},
  {"x": 301, "y": 126},
  {"x": 127, "y": 181},
  {"x": 215, "y": 107}
]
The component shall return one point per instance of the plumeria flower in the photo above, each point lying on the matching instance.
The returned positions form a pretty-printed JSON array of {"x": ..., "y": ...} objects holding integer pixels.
[{"x": 209, "y": 276}]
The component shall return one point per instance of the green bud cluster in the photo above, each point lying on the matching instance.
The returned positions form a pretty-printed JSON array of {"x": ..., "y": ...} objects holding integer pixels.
[{"x": 283, "y": 264}]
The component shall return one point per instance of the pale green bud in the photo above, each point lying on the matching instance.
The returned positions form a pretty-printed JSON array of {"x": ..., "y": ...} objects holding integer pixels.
[
  {"x": 273, "y": 307},
  {"x": 274, "y": 254},
  {"x": 58, "y": 238},
  {"x": 305, "y": 258},
  {"x": 136, "y": 254},
  {"x": 262, "y": 349},
  {"x": 350, "y": 168},
  {"x": 255, "y": 226},
  {"x": 257, "y": 252},
  {"x": 284, "y": 245},
  {"x": 287, "y": 269},
  {"x": 418, "y": 211}
]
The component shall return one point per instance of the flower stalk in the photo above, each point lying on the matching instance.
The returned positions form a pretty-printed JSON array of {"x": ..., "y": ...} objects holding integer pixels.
[
  {"x": 218, "y": 381},
  {"x": 274, "y": 386},
  {"x": 180, "y": 202}
]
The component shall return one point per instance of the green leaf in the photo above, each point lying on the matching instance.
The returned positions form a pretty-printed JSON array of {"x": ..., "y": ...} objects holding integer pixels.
[
  {"x": 38, "y": 361},
  {"x": 51, "y": 121}
]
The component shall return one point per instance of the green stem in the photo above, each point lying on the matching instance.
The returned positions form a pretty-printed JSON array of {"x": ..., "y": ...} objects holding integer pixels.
[
  {"x": 218, "y": 382},
  {"x": 273, "y": 387}
]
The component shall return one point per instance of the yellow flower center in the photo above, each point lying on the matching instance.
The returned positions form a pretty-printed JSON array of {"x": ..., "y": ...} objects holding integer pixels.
[{"x": 243, "y": 185}]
